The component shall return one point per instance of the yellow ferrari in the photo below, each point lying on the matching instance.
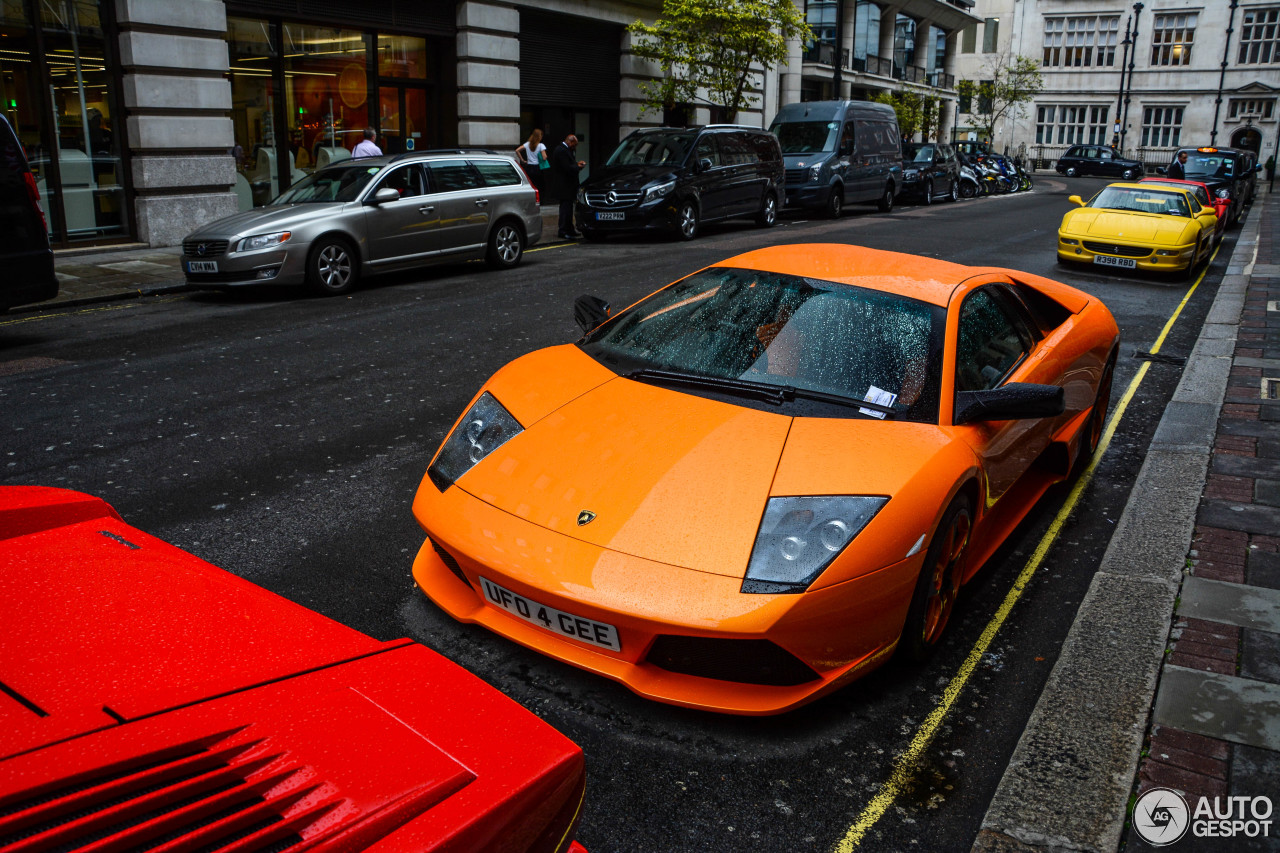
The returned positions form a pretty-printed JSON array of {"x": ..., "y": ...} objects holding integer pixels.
[{"x": 1138, "y": 226}]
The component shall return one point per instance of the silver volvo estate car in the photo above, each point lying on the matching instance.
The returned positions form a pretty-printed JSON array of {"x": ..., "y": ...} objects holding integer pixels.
[{"x": 369, "y": 215}]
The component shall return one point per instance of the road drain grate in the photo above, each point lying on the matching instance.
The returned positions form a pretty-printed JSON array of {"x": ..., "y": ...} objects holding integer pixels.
[
  {"x": 1270, "y": 388},
  {"x": 1273, "y": 305}
]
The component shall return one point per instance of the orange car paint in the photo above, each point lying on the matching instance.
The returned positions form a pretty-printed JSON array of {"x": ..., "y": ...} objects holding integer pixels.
[{"x": 679, "y": 484}]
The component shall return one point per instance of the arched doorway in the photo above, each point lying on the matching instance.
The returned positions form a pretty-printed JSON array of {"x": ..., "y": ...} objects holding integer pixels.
[{"x": 1247, "y": 138}]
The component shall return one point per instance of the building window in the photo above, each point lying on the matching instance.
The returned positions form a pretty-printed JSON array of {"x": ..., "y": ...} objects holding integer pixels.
[
  {"x": 1080, "y": 42},
  {"x": 1260, "y": 36},
  {"x": 1071, "y": 124},
  {"x": 990, "y": 35},
  {"x": 1161, "y": 127},
  {"x": 821, "y": 17},
  {"x": 969, "y": 39},
  {"x": 1255, "y": 108},
  {"x": 1171, "y": 39}
]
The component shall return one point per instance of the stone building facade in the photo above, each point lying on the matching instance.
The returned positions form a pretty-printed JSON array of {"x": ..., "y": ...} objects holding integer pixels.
[
  {"x": 146, "y": 118},
  {"x": 1204, "y": 72}
]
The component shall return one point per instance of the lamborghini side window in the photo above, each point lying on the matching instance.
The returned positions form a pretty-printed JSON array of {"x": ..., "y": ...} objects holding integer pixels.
[{"x": 991, "y": 343}]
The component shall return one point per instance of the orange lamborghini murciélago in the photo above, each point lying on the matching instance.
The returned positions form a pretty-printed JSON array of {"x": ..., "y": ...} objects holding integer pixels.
[{"x": 755, "y": 484}]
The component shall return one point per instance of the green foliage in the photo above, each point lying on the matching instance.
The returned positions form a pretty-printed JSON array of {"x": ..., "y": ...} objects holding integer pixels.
[
  {"x": 713, "y": 45},
  {"x": 916, "y": 112},
  {"x": 1010, "y": 83}
]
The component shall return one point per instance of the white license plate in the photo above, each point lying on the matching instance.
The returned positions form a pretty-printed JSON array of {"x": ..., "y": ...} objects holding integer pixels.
[
  {"x": 1108, "y": 261},
  {"x": 614, "y": 216},
  {"x": 555, "y": 621},
  {"x": 202, "y": 266}
]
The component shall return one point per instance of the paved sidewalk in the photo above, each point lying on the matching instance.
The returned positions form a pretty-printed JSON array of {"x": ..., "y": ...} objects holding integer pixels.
[
  {"x": 1167, "y": 688},
  {"x": 132, "y": 271},
  {"x": 1215, "y": 729}
]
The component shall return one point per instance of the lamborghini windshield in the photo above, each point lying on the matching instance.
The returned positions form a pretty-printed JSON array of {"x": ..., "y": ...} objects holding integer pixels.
[{"x": 749, "y": 333}]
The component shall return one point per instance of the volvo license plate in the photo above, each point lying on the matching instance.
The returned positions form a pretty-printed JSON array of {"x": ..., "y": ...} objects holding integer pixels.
[{"x": 202, "y": 266}]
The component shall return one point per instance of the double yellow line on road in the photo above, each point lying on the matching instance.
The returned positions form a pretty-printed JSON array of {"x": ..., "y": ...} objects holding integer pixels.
[{"x": 900, "y": 777}]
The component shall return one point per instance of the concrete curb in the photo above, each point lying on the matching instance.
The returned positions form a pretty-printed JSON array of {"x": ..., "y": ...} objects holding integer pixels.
[
  {"x": 1067, "y": 785},
  {"x": 112, "y": 296}
]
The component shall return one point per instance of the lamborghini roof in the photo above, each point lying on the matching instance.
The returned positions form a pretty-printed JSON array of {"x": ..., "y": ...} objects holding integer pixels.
[{"x": 912, "y": 276}]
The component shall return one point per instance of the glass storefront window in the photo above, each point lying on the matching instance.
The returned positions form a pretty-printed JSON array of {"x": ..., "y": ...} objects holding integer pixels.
[
  {"x": 253, "y": 96},
  {"x": 403, "y": 56},
  {"x": 303, "y": 94},
  {"x": 67, "y": 119},
  {"x": 326, "y": 93}
]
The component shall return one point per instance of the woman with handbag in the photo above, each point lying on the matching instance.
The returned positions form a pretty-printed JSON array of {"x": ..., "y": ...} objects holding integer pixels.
[{"x": 532, "y": 156}]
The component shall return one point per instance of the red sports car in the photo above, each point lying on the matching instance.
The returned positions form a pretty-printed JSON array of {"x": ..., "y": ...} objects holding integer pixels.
[{"x": 152, "y": 701}]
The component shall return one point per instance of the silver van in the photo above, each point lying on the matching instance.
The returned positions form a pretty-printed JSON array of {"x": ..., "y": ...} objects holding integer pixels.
[
  {"x": 373, "y": 214},
  {"x": 838, "y": 153}
]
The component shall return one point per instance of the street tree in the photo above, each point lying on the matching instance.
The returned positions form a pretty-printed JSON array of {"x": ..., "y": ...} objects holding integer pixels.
[
  {"x": 1011, "y": 82},
  {"x": 720, "y": 46},
  {"x": 915, "y": 112}
]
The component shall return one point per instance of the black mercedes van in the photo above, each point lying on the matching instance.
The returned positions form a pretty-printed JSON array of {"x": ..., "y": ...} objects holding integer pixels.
[
  {"x": 676, "y": 178},
  {"x": 25, "y": 256},
  {"x": 840, "y": 152}
]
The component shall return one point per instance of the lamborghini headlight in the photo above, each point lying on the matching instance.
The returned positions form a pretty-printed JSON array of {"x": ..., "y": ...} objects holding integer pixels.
[
  {"x": 485, "y": 427},
  {"x": 800, "y": 536}
]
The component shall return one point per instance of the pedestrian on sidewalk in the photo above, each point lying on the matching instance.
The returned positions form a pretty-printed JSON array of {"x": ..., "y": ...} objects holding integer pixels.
[
  {"x": 367, "y": 147},
  {"x": 564, "y": 180},
  {"x": 531, "y": 155}
]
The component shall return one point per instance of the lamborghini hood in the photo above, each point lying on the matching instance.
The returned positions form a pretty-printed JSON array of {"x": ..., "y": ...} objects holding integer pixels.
[{"x": 680, "y": 479}]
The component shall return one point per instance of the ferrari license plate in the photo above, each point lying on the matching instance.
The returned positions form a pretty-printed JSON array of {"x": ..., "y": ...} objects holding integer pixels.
[
  {"x": 616, "y": 216},
  {"x": 202, "y": 266},
  {"x": 556, "y": 621},
  {"x": 1108, "y": 261}
]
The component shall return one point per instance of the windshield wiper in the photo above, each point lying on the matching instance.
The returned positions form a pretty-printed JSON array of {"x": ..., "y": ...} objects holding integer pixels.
[{"x": 769, "y": 393}]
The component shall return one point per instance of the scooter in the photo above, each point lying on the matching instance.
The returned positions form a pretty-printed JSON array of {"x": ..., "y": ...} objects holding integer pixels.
[{"x": 970, "y": 184}]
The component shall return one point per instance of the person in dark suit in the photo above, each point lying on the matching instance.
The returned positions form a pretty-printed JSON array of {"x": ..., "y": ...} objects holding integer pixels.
[
  {"x": 1177, "y": 169},
  {"x": 564, "y": 180}
]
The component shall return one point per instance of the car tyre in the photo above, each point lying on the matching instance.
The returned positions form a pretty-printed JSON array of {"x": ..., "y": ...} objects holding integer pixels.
[
  {"x": 1190, "y": 272},
  {"x": 687, "y": 226},
  {"x": 954, "y": 194},
  {"x": 1071, "y": 172},
  {"x": 926, "y": 197},
  {"x": 835, "y": 204},
  {"x": 968, "y": 190},
  {"x": 1130, "y": 174},
  {"x": 885, "y": 204},
  {"x": 939, "y": 583},
  {"x": 768, "y": 215},
  {"x": 332, "y": 268},
  {"x": 1097, "y": 423},
  {"x": 506, "y": 245}
]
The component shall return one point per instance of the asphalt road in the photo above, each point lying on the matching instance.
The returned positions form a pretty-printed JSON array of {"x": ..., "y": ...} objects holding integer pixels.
[{"x": 282, "y": 438}]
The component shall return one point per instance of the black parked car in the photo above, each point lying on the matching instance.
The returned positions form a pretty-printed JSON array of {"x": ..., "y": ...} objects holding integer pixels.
[
  {"x": 674, "y": 179},
  {"x": 25, "y": 256},
  {"x": 1231, "y": 169},
  {"x": 1097, "y": 160},
  {"x": 930, "y": 171}
]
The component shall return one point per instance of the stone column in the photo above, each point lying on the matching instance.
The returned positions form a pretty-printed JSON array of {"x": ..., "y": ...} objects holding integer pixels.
[
  {"x": 177, "y": 100},
  {"x": 888, "y": 28},
  {"x": 924, "y": 44},
  {"x": 488, "y": 76},
  {"x": 633, "y": 71}
]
